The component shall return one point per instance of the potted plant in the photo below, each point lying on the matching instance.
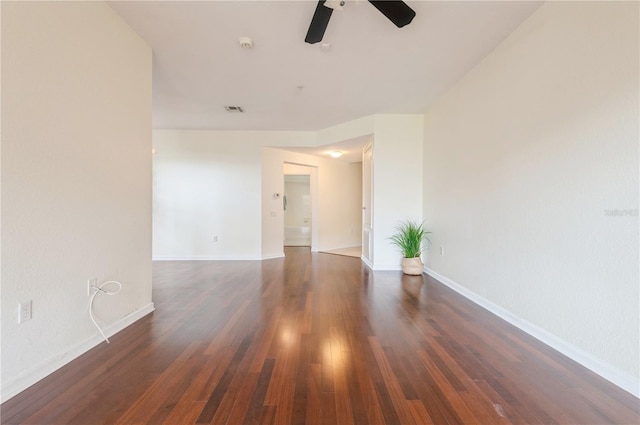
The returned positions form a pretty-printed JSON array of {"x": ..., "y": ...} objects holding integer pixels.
[{"x": 409, "y": 238}]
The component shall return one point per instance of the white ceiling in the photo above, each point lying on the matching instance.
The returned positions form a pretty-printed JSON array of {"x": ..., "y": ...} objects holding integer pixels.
[
  {"x": 372, "y": 66},
  {"x": 351, "y": 149}
]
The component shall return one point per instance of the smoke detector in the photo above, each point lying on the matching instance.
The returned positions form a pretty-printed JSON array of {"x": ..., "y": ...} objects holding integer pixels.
[{"x": 245, "y": 42}]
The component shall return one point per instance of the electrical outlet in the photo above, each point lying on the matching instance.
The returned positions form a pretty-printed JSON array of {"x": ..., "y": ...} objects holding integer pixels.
[
  {"x": 441, "y": 250},
  {"x": 215, "y": 238},
  {"x": 92, "y": 286},
  {"x": 24, "y": 312}
]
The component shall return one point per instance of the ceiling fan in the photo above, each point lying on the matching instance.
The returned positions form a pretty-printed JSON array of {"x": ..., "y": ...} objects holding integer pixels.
[{"x": 396, "y": 11}]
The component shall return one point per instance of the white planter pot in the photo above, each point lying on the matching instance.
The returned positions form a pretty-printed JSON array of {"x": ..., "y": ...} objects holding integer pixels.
[{"x": 412, "y": 266}]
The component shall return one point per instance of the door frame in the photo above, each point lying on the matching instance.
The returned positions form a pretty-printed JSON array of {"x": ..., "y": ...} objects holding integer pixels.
[{"x": 312, "y": 171}]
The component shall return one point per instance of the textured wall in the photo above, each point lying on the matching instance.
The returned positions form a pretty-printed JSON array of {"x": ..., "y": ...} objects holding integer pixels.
[
  {"x": 527, "y": 161},
  {"x": 76, "y": 177}
]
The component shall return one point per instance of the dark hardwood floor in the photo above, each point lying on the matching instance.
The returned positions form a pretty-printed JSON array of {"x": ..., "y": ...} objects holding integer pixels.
[{"x": 317, "y": 339}]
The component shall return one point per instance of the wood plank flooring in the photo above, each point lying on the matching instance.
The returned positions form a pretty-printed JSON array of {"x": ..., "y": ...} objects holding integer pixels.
[
  {"x": 317, "y": 339},
  {"x": 354, "y": 251}
]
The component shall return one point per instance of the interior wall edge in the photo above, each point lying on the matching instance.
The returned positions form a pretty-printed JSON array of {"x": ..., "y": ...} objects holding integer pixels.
[
  {"x": 603, "y": 369},
  {"x": 41, "y": 371}
]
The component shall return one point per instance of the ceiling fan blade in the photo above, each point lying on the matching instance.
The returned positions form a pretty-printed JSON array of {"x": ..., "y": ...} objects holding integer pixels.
[
  {"x": 319, "y": 23},
  {"x": 398, "y": 12}
]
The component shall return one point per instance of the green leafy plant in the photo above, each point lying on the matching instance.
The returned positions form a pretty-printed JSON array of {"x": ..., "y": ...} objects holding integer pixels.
[{"x": 409, "y": 238}]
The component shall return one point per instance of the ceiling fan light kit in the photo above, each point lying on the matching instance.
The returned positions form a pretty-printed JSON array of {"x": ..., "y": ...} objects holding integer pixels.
[
  {"x": 334, "y": 4},
  {"x": 397, "y": 12}
]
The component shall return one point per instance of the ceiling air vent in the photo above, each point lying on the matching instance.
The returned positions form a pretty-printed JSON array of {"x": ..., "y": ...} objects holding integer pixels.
[{"x": 234, "y": 108}]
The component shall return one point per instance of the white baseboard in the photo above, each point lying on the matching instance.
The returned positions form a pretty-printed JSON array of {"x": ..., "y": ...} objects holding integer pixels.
[
  {"x": 207, "y": 258},
  {"x": 268, "y": 257},
  {"x": 387, "y": 267},
  {"x": 30, "y": 377},
  {"x": 605, "y": 370},
  {"x": 380, "y": 267}
]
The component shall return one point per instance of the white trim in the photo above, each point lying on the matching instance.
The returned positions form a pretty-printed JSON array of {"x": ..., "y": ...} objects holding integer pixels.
[
  {"x": 207, "y": 258},
  {"x": 35, "y": 374},
  {"x": 611, "y": 373},
  {"x": 366, "y": 262},
  {"x": 269, "y": 257},
  {"x": 387, "y": 267}
]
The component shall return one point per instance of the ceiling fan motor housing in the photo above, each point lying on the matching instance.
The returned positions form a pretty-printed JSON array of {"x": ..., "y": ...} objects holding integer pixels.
[{"x": 335, "y": 4}]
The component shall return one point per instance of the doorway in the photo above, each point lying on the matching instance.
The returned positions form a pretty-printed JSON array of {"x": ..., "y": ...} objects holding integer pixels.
[
  {"x": 297, "y": 210},
  {"x": 367, "y": 204}
]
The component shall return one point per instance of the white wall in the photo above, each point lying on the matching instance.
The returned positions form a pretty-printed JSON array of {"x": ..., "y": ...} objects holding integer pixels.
[
  {"x": 397, "y": 182},
  {"x": 340, "y": 197},
  {"x": 336, "y": 215},
  {"x": 298, "y": 193},
  {"x": 221, "y": 183},
  {"x": 76, "y": 180},
  {"x": 206, "y": 184},
  {"x": 347, "y": 130},
  {"x": 397, "y": 175},
  {"x": 524, "y": 161}
]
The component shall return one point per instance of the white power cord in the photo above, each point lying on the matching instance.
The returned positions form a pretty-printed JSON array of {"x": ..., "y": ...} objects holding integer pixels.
[{"x": 96, "y": 291}]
